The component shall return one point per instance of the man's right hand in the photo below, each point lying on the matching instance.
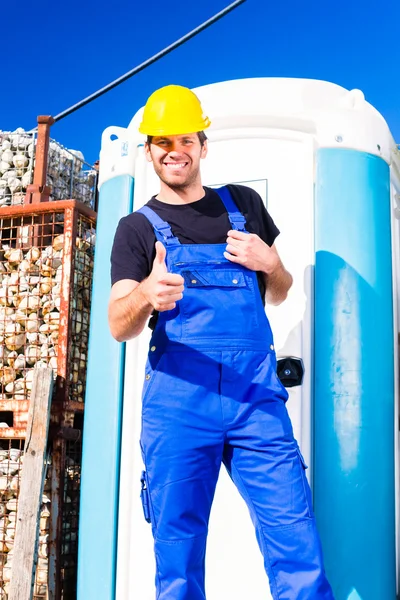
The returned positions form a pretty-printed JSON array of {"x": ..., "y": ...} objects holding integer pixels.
[{"x": 162, "y": 289}]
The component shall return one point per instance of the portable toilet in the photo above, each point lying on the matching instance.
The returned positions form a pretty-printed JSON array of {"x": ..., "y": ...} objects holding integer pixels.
[{"x": 328, "y": 170}]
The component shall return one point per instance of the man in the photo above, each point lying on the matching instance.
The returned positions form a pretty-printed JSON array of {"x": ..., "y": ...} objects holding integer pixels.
[{"x": 201, "y": 261}]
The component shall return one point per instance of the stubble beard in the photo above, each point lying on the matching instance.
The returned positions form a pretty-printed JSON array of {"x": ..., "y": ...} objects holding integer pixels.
[{"x": 176, "y": 186}]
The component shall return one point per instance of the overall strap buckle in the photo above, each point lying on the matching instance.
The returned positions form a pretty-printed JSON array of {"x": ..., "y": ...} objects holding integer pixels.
[
  {"x": 162, "y": 229},
  {"x": 236, "y": 218},
  {"x": 238, "y": 222}
]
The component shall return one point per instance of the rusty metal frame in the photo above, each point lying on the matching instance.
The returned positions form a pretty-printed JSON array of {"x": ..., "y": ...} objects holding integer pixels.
[
  {"x": 64, "y": 338},
  {"x": 64, "y": 408},
  {"x": 48, "y": 207}
]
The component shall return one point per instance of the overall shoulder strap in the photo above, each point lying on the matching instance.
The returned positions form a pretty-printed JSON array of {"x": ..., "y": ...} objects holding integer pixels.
[
  {"x": 161, "y": 228},
  {"x": 235, "y": 216}
]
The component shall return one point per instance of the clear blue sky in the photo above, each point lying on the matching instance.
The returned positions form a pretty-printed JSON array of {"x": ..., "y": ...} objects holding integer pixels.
[{"x": 54, "y": 54}]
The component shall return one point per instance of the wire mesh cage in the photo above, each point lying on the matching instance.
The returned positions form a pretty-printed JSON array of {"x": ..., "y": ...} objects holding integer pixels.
[
  {"x": 17, "y": 157},
  {"x": 11, "y": 464},
  {"x": 69, "y": 176},
  {"x": 67, "y": 173},
  {"x": 80, "y": 304},
  {"x": 46, "y": 269},
  {"x": 70, "y": 520}
]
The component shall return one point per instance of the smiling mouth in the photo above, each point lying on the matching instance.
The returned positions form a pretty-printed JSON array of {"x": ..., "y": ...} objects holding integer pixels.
[{"x": 175, "y": 166}]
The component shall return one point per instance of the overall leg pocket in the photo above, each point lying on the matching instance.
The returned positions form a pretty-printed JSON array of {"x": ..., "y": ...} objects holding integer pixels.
[
  {"x": 306, "y": 486},
  {"x": 144, "y": 496},
  {"x": 152, "y": 369}
]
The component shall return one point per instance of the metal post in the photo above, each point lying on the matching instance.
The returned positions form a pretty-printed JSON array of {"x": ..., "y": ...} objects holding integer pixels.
[{"x": 38, "y": 191}]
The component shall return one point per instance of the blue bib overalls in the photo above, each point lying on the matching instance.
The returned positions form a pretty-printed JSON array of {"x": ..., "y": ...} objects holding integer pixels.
[{"x": 211, "y": 395}]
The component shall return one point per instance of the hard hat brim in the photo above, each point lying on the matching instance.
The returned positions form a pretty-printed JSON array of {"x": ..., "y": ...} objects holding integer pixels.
[{"x": 159, "y": 132}]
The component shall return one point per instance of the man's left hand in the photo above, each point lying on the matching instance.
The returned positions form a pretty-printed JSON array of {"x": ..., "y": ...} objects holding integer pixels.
[{"x": 249, "y": 250}]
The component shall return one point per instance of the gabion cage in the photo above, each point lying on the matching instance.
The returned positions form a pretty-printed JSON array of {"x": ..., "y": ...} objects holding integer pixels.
[
  {"x": 70, "y": 521},
  {"x": 46, "y": 269},
  {"x": 67, "y": 173},
  {"x": 17, "y": 161},
  {"x": 11, "y": 464},
  {"x": 69, "y": 176}
]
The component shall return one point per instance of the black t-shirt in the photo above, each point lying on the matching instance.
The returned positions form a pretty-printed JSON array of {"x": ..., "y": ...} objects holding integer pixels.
[{"x": 202, "y": 222}]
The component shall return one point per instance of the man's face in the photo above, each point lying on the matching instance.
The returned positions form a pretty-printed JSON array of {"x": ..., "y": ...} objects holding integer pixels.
[{"x": 176, "y": 158}]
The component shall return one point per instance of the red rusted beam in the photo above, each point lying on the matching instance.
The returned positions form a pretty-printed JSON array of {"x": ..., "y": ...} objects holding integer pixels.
[
  {"x": 12, "y": 433},
  {"x": 50, "y": 207},
  {"x": 14, "y": 405},
  {"x": 66, "y": 299},
  {"x": 39, "y": 191},
  {"x": 74, "y": 406}
]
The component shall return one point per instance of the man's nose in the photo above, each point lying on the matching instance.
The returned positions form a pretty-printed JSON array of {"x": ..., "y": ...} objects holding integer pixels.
[{"x": 174, "y": 152}]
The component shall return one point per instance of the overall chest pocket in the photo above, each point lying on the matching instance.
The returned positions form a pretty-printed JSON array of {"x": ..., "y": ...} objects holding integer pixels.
[
  {"x": 196, "y": 278},
  {"x": 218, "y": 303}
]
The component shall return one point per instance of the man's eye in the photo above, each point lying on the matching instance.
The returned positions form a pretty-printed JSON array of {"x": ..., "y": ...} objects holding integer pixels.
[{"x": 187, "y": 142}]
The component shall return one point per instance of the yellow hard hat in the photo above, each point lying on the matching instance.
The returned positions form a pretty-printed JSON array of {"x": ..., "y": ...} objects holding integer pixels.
[{"x": 173, "y": 110}]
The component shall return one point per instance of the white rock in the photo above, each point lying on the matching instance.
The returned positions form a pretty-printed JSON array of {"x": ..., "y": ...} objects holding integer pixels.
[
  {"x": 4, "y": 166},
  {"x": 9, "y": 467},
  {"x": 7, "y": 375},
  {"x": 51, "y": 317},
  {"x": 13, "y": 342},
  {"x": 47, "y": 309},
  {"x": 20, "y": 161},
  {"x": 9, "y": 542},
  {"x": 14, "y": 484},
  {"x": 33, "y": 323},
  {"x": 12, "y": 504},
  {"x": 7, "y": 156},
  {"x": 16, "y": 386},
  {"x": 32, "y": 354},
  {"x": 29, "y": 304},
  {"x": 14, "y": 184},
  {"x": 33, "y": 254},
  {"x": 25, "y": 266},
  {"x": 11, "y": 358},
  {"x": 15, "y": 454},
  {"x": 46, "y": 285},
  {"x": 44, "y": 523},
  {"x": 58, "y": 242},
  {"x": 12, "y": 328},
  {"x": 29, "y": 379},
  {"x": 14, "y": 255},
  {"x": 6, "y": 297},
  {"x": 26, "y": 179}
]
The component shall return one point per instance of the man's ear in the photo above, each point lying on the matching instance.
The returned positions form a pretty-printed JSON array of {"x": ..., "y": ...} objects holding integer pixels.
[
  {"x": 204, "y": 149},
  {"x": 147, "y": 152}
]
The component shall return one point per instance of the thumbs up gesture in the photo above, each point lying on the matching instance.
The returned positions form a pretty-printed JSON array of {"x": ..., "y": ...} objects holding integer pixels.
[
  {"x": 162, "y": 289},
  {"x": 159, "y": 261}
]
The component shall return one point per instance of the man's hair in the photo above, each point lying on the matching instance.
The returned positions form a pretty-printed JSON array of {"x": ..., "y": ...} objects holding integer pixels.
[{"x": 200, "y": 134}]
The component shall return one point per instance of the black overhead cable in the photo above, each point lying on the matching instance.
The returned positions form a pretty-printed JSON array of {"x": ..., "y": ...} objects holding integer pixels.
[{"x": 149, "y": 61}]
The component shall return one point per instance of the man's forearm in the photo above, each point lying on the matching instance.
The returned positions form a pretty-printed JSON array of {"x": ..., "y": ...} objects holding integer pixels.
[
  {"x": 128, "y": 315},
  {"x": 278, "y": 283}
]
